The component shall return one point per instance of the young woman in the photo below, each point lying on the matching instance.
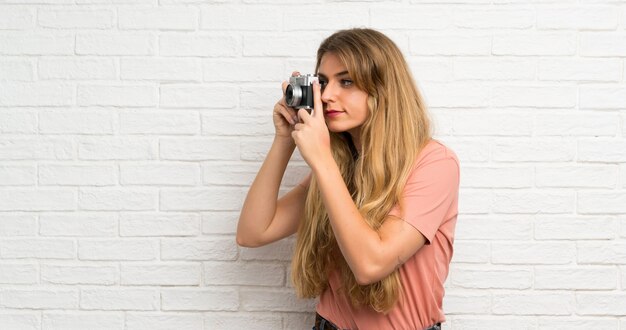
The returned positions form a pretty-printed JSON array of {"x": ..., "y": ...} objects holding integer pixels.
[{"x": 375, "y": 218}]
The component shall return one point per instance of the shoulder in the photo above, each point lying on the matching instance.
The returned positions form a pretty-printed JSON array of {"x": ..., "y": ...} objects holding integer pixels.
[{"x": 436, "y": 151}]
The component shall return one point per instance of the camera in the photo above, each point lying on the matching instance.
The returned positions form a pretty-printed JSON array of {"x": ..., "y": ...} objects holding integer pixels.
[{"x": 299, "y": 92}]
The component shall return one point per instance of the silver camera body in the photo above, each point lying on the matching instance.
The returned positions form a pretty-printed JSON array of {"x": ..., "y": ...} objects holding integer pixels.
[{"x": 299, "y": 92}]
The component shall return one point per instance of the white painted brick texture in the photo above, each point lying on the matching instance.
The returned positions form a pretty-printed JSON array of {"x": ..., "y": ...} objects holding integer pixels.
[{"x": 131, "y": 130}]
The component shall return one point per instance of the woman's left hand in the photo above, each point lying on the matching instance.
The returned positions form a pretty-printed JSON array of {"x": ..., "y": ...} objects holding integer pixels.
[{"x": 311, "y": 133}]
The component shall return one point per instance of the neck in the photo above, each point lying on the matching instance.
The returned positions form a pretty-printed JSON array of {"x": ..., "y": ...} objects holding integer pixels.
[{"x": 355, "y": 134}]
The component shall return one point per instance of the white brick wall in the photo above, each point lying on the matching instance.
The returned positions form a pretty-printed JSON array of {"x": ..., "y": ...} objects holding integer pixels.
[{"x": 130, "y": 131}]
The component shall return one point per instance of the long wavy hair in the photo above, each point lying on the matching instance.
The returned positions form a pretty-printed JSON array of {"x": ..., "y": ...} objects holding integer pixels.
[{"x": 395, "y": 131}]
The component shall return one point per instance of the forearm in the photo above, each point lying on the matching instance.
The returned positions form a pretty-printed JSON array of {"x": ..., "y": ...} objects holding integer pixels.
[
  {"x": 359, "y": 243},
  {"x": 259, "y": 206}
]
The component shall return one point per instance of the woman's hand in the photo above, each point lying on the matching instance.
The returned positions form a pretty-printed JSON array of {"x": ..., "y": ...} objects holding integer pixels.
[
  {"x": 311, "y": 134},
  {"x": 284, "y": 116}
]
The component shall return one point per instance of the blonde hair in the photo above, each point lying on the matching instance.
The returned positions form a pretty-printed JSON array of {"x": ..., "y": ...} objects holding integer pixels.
[{"x": 396, "y": 129}]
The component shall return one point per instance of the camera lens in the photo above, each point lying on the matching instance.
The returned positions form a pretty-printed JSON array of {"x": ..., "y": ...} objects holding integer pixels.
[{"x": 293, "y": 95}]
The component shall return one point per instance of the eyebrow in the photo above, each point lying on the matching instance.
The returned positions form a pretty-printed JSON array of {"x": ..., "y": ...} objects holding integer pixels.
[{"x": 336, "y": 75}]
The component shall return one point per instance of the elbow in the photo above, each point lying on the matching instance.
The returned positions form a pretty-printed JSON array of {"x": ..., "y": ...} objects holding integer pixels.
[
  {"x": 246, "y": 242},
  {"x": 368, "y": 275}
]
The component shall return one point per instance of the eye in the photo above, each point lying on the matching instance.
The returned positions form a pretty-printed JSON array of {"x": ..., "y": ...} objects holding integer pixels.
[
  {"x": 323, "y": 83},
  {"x": 346, "y": 82}
]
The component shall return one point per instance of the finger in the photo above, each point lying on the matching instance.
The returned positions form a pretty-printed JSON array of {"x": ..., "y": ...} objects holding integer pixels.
[
  {"x": 317, "y": 101},
  {"x": 304, "y": 115},
  {"x": 288, "y": 117},
  {"x": 295, "y": 73},
  {"x": 285, "y": 83}
]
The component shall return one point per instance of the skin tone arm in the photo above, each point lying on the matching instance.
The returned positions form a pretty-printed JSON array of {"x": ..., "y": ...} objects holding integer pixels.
[
  {"x": 263, "y": 219},
  {"x": 371, "y": 254}
]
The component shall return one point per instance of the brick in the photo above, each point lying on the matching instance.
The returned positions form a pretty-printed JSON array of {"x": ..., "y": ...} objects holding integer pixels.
[
  {"x": 78, "y": 224},
  {"x": 601, "y": 304},
  {"x": 207, "y": 199},
  {"x": 117, "y": 249},
  {"x": 533, "y": 202},
  {"x": 475, "y": 322},
  {"x": 534, "y": 96},
  {"x": 160, "y": 69},
  {"x": 577, "y": 17},
  {"x": 79, "y": 274},
  {"x": 16, "y": 70},
  {"x": 116, "y": 299},
  {"x": 281, "y": 250},
  {"x": 488, "y": 18},
  {"x": 602, "y": 97},
  {"x": 280, "y": 44},
  {"x": 602, "y": 150},
  {"x": 602, "y": 44},
  {"x": 475, "y": 201},
  {"x": 159, "y": 224},
  {"x": 534, "y": 150},
  {"x": 25, "y": 199},
  {"x": 13, "y": 273},
  {"x": 160, "y": 123},
  {"x": 260, "y": 97},
  {"x": 160, "y": 18},
  {"x": 577, "y": 176},
  {"x": 198, "y": 149},
  {"x": 277, "y": 300},
  {"x": 465, "y": 44},
  {"x": 242, "y": 320},
  {"x": 467, "y": 251},
  {"x": 40, "y": 298},
  {"x": 30, "y": 320},
  {"x": 601, "y": 253},
  {"x": 601, "y": 203},
  {"x": 194, "y": 96},
  {"x": 77, "y": 68},
  {"x": 18, "y": 225},
  {"x": 487, "y": 227},
  {"x": 575, "y": 278},
  {"x": 161, "y": 274},
  {"x": 83, "y": 320},
  {"x": 204, "y": 45},
  {"x": 199, "y": 299},
  {"x": 534, "y": 303},
  {"x": 17, "y": 18},
  {"x": 199, "y": 249},
  {"x": 403, "y": 17},
  {"x": 492, "y": 124},
  {"x": 569, "y": 323},
  {"x": 115, "y": 44},
  {"x": 75, "y": 19},
  {"x": 298, "y": 320},
  {"x": 491, "y": 278},
  {"x": 586, "y": 69},
  {"x": 576, "y": 124},
  {"x": 243, "y": 69},
  {"x": 22, "y": 43},
  {"x": 117, "y": 199},
  {"x": 237, "y": 125},
  {"x": 574, "y": 227},
  {"x": 217, "y": 222},
  {"x": 178, "y": 174},
  {"x": 469, "y": 149},
  {"x": 114, "y": 148},
  {"x": 493, "y": 69},
  {"x": 76, "y": 122},
  {"x": 455, "y": 95},
  {"x": 75, "y": 175},
  {"x": 538, "y": 43},
  {"x": 221, "y": 173},
  {"x": 237, "y": 17},
  {"x": 18, "y": 122},
  {"x": 37, "y": 248},
  {"x": 467, "y": 302},
  {"x": 248, "y": 273},
  {"x": 36, "y": 94},
  {"x": 117, "y": 95},
  {"x": 18, "y": 175},
  {"x": 497, "y": 177},
  {"x": 427, "y": 69},
  {"x": 158, "y": 321},
  {"x": 540, "y": 253}
]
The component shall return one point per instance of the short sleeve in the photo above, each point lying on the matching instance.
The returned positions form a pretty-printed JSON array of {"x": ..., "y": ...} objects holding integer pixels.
[{"x": 431, "y": 192}]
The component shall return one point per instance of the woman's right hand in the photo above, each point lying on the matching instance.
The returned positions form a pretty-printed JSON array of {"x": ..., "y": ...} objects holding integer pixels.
[{"x": 285, "y": 117}]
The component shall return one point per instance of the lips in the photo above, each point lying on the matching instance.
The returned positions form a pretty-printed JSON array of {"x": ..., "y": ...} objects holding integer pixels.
[{"x": 328, "y": 112}]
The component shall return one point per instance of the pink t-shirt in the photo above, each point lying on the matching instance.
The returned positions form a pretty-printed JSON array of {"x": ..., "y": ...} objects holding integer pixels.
[{"x": 430, "y": 204}]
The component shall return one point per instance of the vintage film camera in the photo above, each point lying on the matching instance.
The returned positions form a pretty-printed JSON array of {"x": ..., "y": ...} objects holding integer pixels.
[{"x": 299, "y": 92}]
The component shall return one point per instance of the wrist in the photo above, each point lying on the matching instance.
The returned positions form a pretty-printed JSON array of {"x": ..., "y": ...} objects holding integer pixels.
[{"x": 286, "y": 141}]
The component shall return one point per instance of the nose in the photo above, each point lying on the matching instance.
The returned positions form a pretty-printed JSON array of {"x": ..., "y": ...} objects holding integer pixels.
[{"x": 329, "y": 92}]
